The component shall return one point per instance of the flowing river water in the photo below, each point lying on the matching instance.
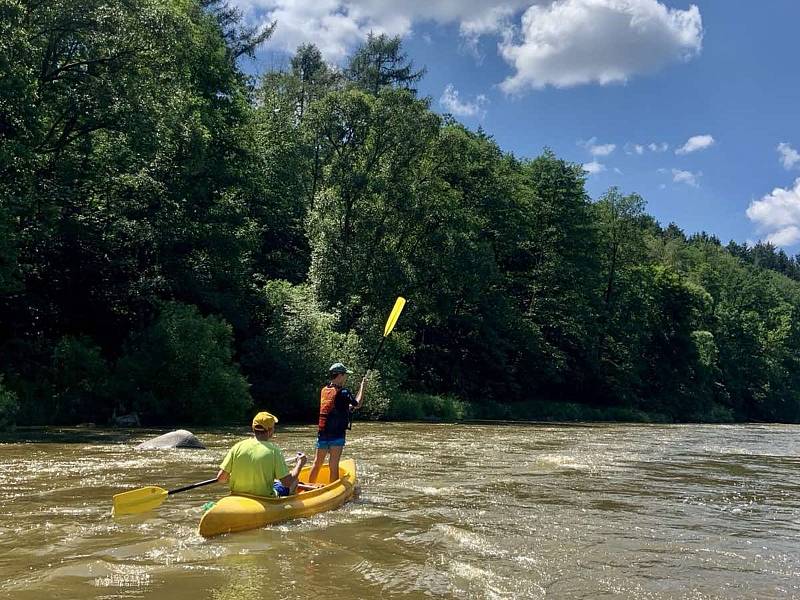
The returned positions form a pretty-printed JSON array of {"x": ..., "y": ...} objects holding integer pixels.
[{"x": 451, "y": 511}]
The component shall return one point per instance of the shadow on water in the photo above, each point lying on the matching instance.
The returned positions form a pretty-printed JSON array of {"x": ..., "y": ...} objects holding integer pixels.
[{"x": 70, "y": 435}]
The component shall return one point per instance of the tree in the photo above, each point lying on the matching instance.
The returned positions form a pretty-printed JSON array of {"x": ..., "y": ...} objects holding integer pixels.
[
  {"x": 380, "y": 62},
  {"x": 553, "y": 274},
  {"x": 125, "y": 166},
  {"x": 622, "y": 238}
]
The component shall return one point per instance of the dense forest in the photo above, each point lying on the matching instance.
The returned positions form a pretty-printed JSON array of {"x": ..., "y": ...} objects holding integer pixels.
[{"x": 184, "y": 241}]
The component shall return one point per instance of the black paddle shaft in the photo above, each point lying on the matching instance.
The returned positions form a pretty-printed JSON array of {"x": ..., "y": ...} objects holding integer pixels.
[
  {"x": 369, "y": 368},
  {"x": 375, "y": 356},
  {"x": 191, "y": 487}
]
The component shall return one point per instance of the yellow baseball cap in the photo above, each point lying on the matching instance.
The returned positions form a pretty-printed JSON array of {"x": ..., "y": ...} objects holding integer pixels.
[{"x": 264, "y": 420}]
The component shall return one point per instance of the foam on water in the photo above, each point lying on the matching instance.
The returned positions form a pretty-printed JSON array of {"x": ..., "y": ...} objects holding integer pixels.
[{"x": 447, "y": 511}]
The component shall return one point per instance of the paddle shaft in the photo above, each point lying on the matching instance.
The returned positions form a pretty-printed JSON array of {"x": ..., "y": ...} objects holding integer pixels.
[
  {"x": 369, "y": 368},
  {"x": 377, "y": 353},
  {"x": 191, "y": 487}
]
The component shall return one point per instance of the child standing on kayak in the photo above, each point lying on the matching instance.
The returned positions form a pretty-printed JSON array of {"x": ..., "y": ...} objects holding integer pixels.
[
  {"x": 253, "y": 465},
  {"x": 335, "y": 405}
]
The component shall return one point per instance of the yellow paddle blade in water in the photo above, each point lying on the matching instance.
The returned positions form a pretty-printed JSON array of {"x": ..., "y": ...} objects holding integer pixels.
[
  {"x": 398, "y": 308},
  {"x": 137, "y": 501}
]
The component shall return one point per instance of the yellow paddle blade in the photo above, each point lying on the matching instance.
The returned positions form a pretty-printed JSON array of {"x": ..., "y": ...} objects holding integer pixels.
[
  {"x": 398, "y": 308},
  {"x": 137, "y": 501}
]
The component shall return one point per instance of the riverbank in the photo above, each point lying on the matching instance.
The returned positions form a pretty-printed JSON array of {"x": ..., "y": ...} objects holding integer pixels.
[
  {"x": 425, "y": 407},
  {"x": 410, "y": 407}
]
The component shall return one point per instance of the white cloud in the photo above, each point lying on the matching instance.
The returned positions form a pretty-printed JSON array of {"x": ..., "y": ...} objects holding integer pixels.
[
  {"x": 594, "y": 167},
  {"x": 596, "y": 149},
  {"x": 639, "y": 149},
  {"x": 778, "y": 215},
  {"x": 335, "y": 26},
  {"x": 574, "y": 42},
  {"x": 453, "y": 104},
  {"x": 686, "y": 177},
  {"x": 554, "y": 42},
  {"x": 789, "y": 156},
  {"x": 788, "y": 236},
  {"x": 695, "y": 143}
]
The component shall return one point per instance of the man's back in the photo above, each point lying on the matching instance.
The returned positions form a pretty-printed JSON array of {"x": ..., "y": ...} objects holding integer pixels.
[{"x": 254, "y": 466}]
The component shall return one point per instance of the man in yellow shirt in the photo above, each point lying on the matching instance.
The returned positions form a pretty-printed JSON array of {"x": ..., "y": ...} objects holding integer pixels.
[{"x": 253, "y": 465}]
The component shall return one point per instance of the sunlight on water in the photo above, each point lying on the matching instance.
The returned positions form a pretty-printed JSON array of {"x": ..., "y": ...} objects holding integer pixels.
[{"x": 451, "y": 511}]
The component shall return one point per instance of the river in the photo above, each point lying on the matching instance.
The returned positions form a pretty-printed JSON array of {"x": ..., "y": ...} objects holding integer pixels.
[{"x": 451, "y": 511}]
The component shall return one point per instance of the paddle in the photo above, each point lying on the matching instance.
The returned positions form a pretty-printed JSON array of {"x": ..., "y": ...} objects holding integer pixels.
[
  {"x": 399, "y": 304},
  {"x": 148, "y": 498},
  {"x": 390, "y": 323},
  {"x": 151, "y": 497}
]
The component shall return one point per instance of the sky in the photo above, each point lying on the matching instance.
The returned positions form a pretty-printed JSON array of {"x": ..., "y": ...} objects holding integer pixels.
[{"x": 694, "y": 106}]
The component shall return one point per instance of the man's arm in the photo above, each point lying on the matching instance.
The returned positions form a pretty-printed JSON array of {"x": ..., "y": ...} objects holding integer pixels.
[
  {"x": 225, "y": 468},
  {"x": 360, "y": 394},
  {"x": 291, "y": 478}
]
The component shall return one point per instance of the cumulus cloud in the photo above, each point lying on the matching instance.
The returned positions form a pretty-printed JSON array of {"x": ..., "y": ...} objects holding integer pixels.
[
  {"x": 788, "y": 236},
  {"x": 789, "y": 156},
  {"x": 335, "y": 26},
  {"x": 574, "y": 42},
  {"x": 596, "y": 149},
  {"x": 687, "y": 177},
  {"x": 662, "y": 147},
  {"x": 696, "y": 143},
  {"x": 778, "y": 215},
  {"x": 594, "y": 167},
  {"x": 453, "y": 104},
  {"x": 554, "y": 42}
]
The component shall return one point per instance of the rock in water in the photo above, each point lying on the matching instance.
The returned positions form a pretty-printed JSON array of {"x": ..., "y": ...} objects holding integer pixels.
[{"x": 174, "y": 439}]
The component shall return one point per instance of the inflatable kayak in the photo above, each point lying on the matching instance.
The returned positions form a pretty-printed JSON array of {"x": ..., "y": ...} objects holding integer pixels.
[{"x": 239, "y": 512}]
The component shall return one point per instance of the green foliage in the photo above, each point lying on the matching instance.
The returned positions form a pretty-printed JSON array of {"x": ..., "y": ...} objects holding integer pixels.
[
  {"x": 81, "y": 380},
  {"x": 553, "y": 272},
  {"x": 543, "y": 410},
  {"x": 288, "y": 362},
  {"x": 163, "y": 216},
  {"x": 380, "y": 62},
  {"x": 8, "y": 407},
  {"x": 407, "y": 406},
  {"x": 181, "y": 370}
]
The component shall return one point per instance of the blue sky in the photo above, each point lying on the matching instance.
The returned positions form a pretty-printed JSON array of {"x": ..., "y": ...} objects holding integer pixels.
[{"x": 692, "y": 105}]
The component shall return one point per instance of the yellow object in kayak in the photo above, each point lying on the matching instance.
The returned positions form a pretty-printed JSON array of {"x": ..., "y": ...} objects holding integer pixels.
[{"x": 240, "y": 513}]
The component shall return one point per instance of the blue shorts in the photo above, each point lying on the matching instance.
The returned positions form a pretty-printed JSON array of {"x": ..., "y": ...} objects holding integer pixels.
[
  {"x": 281, "y": 489},
  {"x": 328, "y": 444}
]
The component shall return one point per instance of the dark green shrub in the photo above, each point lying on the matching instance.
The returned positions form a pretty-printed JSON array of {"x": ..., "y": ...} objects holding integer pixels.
[
  {"x": 181, "y": 370},
  {"x": 405, "y": 406},
  {"x": 8, "y": 407},
  {"x": 81, "y": 382}
]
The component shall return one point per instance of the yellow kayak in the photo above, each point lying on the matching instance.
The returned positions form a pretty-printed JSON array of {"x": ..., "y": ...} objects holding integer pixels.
[{"x": 239, "y": 513}]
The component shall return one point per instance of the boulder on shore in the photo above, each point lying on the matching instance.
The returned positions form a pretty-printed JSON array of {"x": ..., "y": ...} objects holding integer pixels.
[
  {"x": 131, "y": 420},
  {"x": 174, "y": 439}
]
